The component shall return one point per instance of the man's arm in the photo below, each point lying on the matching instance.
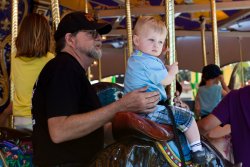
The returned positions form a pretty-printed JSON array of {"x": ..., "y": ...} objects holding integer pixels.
[
  {"x": 66, "y": 128},
  {"x": 208, "y": 123}
]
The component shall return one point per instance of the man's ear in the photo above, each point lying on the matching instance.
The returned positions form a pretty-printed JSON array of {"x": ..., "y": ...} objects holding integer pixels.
[
  {"x": 135, "y": 40},
  {"x": 68, "y": 39}
]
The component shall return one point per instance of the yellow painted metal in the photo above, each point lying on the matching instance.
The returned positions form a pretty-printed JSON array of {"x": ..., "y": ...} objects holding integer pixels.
[
  {"x": 55, "y": 13},
  {"x": 129, "y": 27},
  {"x": 203, "y": 39},
  {"x": 86, "y": 9},
  {"x": 125, "y": 56},
  {"x": 14, "y": 32},
  {"x": 215, "y": 33},
  {"x": 14, "y": 25},
  {"x": 100, "y": 69},
  {"x": 3, "y": 159},
  {"x": 89, "y": 69},
  {"x": 4, "y": 79},
  {"x": 241, "y": 63},
  {"x": 171, "y": 55}
]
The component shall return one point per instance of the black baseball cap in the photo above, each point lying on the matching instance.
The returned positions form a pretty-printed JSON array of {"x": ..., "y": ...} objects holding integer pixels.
[
  {"x": 79, "y": 20},
  {"x": 211, "y": 71}
]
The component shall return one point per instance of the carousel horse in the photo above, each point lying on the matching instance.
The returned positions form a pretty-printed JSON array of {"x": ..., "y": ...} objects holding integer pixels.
[
  {"x": 143, "y": 143},
  {"x": 15, "y": 148},
  {"x": 139, "y": 142}
]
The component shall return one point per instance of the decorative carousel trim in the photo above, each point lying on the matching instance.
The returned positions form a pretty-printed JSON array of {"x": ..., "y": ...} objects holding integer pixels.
[{"x": 171, "y": 157}]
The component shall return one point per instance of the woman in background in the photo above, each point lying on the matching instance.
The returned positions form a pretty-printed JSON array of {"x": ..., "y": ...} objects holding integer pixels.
[{"x": 33, "y": 44}]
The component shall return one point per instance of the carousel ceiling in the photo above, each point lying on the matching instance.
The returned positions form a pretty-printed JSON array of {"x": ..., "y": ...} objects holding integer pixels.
[{"x": 232, "y": 15}]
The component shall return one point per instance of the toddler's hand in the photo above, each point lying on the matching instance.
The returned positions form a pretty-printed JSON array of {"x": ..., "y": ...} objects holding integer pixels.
[{"x": 173, "y": 68}]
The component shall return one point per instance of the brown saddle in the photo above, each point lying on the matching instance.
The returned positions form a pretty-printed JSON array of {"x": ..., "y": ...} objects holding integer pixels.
[
  {"x": 9, "y": 133},
  {"x": 131, "y": 124},
  {"x": 127, "y": 123}
]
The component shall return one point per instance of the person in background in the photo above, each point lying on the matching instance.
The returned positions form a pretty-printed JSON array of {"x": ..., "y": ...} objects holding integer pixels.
[
  {"x": 145, "y": 68},
  {"x": 32, "y": 53},
  {"x": 209, "y": 95},
  {"x": 210, "y": 92},
  {"x": 68, "y": 119},
  {"x": 234, "y": 110}
]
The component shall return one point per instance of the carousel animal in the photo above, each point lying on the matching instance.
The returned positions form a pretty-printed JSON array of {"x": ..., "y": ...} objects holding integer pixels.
[
  {"x": 139, "y": 142},
  {"x": 143, "y": 143}
]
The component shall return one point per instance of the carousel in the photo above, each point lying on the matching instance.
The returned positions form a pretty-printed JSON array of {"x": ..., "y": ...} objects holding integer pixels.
[{"x": 200, "y": 32}]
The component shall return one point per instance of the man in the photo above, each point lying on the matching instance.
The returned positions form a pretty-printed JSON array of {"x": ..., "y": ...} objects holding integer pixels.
[
  {"x": 67, "y": 118},
  {"x": 234, "y": 109}
]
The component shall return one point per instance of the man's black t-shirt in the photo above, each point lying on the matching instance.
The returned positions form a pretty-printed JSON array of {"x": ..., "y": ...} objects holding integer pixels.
[{"x": 63, "y": 89}]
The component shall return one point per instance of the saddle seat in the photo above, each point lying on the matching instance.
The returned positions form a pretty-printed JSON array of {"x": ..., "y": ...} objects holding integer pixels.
[
  {"x": 127, "y": 124},
  {"x": 131, "y": 124}
]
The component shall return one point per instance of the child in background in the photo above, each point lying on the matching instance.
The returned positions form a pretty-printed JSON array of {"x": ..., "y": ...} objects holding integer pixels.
[
  {"x": 208, "y": 97},
  {"x": 210, "y": 92},
  {"x": 144, "y": 68}
]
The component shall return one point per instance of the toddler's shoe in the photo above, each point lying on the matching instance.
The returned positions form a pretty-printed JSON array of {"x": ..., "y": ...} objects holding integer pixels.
[{"x": 199, "y": 157}]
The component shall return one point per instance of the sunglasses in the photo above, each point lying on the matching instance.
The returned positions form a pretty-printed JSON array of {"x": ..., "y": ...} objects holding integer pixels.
[{"x": 94, "y": 34}]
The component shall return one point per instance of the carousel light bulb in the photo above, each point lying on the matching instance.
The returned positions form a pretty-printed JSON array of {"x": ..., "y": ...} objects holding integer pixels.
[
  {"x": 104, "y": 37},
  {"x": 95, "y": 63},
  {"x": 91, "y": 76}
]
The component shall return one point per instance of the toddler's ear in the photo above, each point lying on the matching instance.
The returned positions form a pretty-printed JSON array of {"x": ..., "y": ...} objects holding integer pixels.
[{"x": 135, "y": 40}]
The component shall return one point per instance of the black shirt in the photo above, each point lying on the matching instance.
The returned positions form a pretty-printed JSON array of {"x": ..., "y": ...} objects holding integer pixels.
[{"x": 63, "y": 89}]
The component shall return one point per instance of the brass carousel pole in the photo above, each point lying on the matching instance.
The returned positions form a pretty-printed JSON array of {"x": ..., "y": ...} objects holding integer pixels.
[
  {"x": 86, "y": 10},
  {"x": 14, "y": 31},
  {"x": 4, "y": 79},
  {"x": 125, "y": 54},
  {"x": 215, "y": 33},
  {"x": 241, "y": 63},
  {"x": 55, "y": 13},
  {"x": 129, "y": 27},
  {"x": 99, "y": 60},
  {"x": 100, "y": 69},
  {"x": 203, "y": 39},
  {"x": 171, "y": 55}
]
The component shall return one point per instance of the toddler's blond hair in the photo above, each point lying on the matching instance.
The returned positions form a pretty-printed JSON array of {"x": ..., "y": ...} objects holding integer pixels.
[{"x": 149, "y": 22}]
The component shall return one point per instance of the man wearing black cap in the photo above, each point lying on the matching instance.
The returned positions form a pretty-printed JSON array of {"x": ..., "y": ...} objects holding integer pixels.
[{"x": 67, "y": 118}]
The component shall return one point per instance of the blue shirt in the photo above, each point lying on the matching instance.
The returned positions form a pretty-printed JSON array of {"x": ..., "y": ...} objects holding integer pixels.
[
  {"x": 145, "y": 70},
  {"x": 209, "y": 97}
]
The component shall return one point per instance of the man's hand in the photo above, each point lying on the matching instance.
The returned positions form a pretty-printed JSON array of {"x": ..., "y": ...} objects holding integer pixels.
[{"x": 140, "y": 101}]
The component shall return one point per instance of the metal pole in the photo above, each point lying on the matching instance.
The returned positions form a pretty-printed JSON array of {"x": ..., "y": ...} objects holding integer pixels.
[
  {"x": 129, "y": 27},
  {"x": 4, "y": 80},
  {"x": 125, "y": 54},
  {"x": 14, "y": 32},
  {"x": 215, "y": 33},
  {"x": 100, "y": 69},
  {"x": 3, "y": 158},
  {"x": 86, "y": 10},
  {"x": 241, "y": 63},
  {"x": 203, "y": 39},
  {"x": 55, "y": 13},
  {"x": 171, "y": 55}
]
